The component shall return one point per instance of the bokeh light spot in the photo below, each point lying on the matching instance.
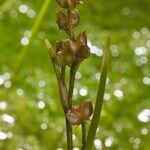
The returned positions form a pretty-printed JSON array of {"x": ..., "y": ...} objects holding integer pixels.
[
  {"x": 98, "y": 144},
  {"x": 144, "y": 115},
  {"x": 24, "y": 41},
  {"x": 41, "y": 104},
  {"x": 23, "y": 8},
  {"x": 83, "y": 91}
]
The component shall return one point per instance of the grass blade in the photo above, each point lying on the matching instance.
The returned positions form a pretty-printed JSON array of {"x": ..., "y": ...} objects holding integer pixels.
[
  {"x": 24, "y": 49},
  {"x": 35, "y": 28},
  {"x": 99, "y": 99}
]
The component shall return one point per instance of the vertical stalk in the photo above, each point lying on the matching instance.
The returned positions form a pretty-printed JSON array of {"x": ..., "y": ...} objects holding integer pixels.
[
  {"x": 99, "y": 99},
  {"x": 60, "y": 82},
  {"x": 68, "y": 126},
  {"x": 83, "y": 135},
  {"x": 69, "y": 135},
  {"x": 72, "y": 72},
  {"x": 70, "y": 29},
  {"x": 71, "y": 87},
  {"x": 62, "y": 88},
  {"x": 63, "y": 70}
]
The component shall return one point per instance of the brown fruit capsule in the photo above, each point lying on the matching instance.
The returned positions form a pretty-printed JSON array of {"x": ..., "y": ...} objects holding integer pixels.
[
  {"x": 82, "y": 39},
  {"x": 75, "y": 18},
  {"x": 84, "y": 50},
  {"x": 68, "y": 49},
  {"x": 80, "y": 113},
  {"x": 62, "y": 21},
  {"x": 68, "y": 4}
]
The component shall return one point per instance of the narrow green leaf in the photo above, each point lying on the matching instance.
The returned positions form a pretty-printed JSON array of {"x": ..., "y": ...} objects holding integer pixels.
[
  {"x": 24, "y": 50},
  {"x": 99, "y": 99},
  {"x": 35, "y": 28}
]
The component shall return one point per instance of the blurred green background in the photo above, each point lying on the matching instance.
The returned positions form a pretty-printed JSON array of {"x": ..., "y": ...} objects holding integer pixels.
[{"x": 31, "y": 117}]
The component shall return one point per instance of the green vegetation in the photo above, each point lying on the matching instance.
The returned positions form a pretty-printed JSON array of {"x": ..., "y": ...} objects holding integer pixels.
[{"x": 32, "y": 98}]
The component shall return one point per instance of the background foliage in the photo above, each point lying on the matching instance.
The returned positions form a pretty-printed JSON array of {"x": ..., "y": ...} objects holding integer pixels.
[{"x": 31, "y": 117}]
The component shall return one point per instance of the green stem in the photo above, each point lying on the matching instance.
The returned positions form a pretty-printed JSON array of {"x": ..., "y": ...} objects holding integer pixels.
[
  {"x": 61, "y": 83},
  {"x": 56, "y": 69},
  {"x": 69, "y": 100},
  {"x": 70, "y": 29},
  {"x": 68, "y": 126},
  {"x": 63, "y": 70},
  {"x": 69, "y": 135},
  {"x": 71, "y": 87},
  {"x": 83, "y": 135},
  {"x": 72, "y": 72},
  {"x": 62, "y": 88},
  {"x": 99, "y": 99}
]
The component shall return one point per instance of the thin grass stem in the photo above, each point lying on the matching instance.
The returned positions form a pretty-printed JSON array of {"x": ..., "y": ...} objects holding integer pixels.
[
  {"x": 99, "y": 99},
  {"x": 83, "y": 135},
  {"x": 63, "y": 72},
  {"x": 71, "y": 87},
  {"x": 34, "y": 30}
]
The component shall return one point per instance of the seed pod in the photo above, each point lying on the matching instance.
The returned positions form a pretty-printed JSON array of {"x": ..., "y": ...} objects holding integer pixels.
[
  {"x": 62, "y": 21},
  {"x": 72, "y": 46},
  {"x": 66, "y": 46},
  {"x": 82, "y": 39},
  {"x": 80, "y": 113},
  {"x": 68, "y": 4},
  {"x": 84, "y": 50},
  {"x": 75, "y": 18},
  {"x": 86, "y": 109},
  {"x": 68, "y": 49}
]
